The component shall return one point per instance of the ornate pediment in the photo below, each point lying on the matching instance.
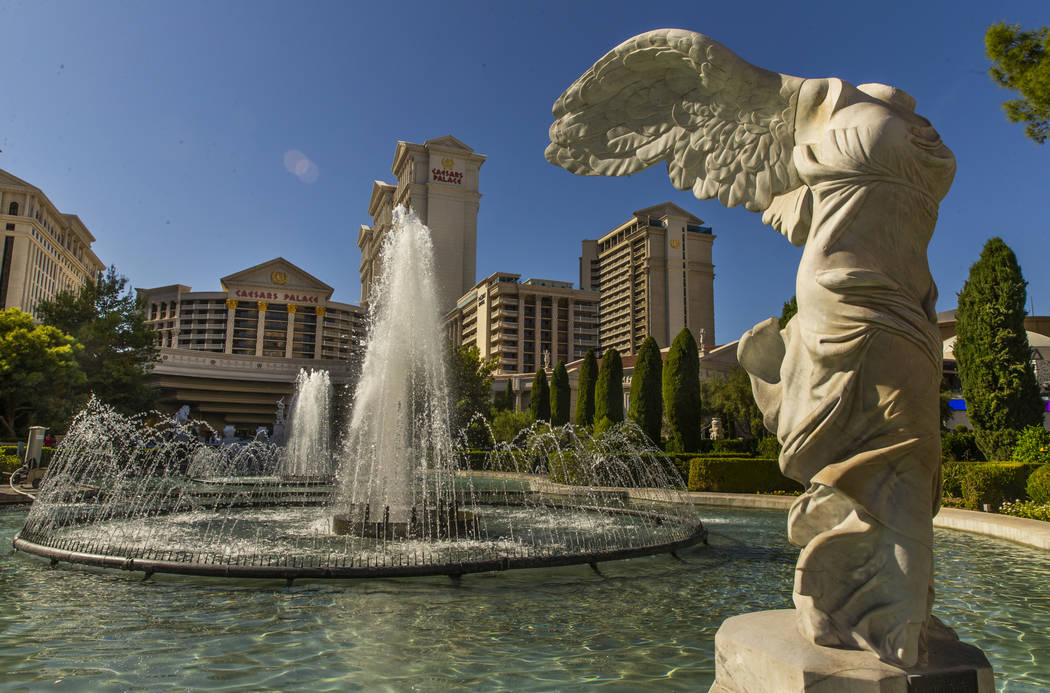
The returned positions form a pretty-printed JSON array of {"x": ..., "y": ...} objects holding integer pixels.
[
  {"x": 276, "y": 276},
  {"x": 448, "y": 142}
]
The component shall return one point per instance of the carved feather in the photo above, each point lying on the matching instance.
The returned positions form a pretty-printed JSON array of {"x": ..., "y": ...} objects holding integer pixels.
[{"x": 724, "y": 126}]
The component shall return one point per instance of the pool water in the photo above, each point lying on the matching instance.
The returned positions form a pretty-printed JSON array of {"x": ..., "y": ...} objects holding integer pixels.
[{"x": 647, "y": 623}]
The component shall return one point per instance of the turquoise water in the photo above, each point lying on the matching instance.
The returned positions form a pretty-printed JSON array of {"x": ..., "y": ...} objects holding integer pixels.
[{"x": 647, "y": 623}]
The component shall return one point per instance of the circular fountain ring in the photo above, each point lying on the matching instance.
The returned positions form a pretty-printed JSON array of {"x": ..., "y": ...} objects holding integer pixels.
[{"x": 289, "y": 567}]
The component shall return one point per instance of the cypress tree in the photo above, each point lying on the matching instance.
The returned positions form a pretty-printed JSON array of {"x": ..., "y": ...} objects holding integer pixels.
[
  {"x": 585, "y": 394},
  {"x": 608, "y": 392},
  {"x": 560, "y": 395},
  {"x": 992, "y": 352},
  {"x": 540, "y": 403},
  {"x": 681, "y": 391},
  {"x": 647, "y": 405}
]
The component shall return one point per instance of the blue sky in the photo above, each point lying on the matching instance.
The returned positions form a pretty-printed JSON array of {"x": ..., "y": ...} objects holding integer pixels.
[{"x": 165, "y": 127}]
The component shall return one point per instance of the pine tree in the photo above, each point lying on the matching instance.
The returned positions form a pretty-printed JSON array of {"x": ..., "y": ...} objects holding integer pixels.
[
  {"x": 608, "y": 392},
  {"x": 1021, "y": 61},
  {"x": 585, "y": 394},
  {"x": 992, "y": 352},
  {"x": 561, "y": 395},
  {"x": 647, "y": 405},
  {"x": 540, "y": 404},
  {"x": 681, "y": 391}
]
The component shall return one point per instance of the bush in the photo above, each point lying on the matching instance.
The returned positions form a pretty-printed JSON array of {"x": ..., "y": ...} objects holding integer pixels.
[
  {"x": 997, "y": 444},
  {"x": 738, "y": 476},
  {"x": 992, "y": 483},
  {"x": 1038, "y": 485},
  {"x": 960, "y": 446},
  {"x": 768, "y": 447},
  {"x": 8, "y": 464},
  {"x": 1033, "y": 445}
]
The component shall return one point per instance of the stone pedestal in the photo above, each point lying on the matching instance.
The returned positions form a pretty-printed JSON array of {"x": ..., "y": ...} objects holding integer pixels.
[{"x": 763, "y": 652}]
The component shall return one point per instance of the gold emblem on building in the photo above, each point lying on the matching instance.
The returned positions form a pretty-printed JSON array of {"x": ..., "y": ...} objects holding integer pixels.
[
  {"x": 675, "y": 243},
  {"x": 447, "y": 162},
  {"x": 278, "y": 277}
]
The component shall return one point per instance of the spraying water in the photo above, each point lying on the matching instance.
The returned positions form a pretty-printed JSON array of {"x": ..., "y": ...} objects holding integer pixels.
[
  {"x": 399, "y": 450},
  {"x": 308, "y": 453}
]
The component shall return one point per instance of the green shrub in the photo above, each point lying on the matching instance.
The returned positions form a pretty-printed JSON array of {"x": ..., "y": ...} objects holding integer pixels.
[
  {"x": 997, "y": 444},
  {"x": 992, "y": 483},
  {"x": 738, "y": 476},
  {"x": 960, "y": 446},
  {"x": 1033, "y": 445},
  {"x": 1038, "y": 485},
  {"x": 768, "y": 447},
  {"x": 8, "y": 464}
]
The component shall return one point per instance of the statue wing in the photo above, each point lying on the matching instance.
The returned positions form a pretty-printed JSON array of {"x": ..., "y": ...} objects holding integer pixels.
[{"x": 724, "y": 127}]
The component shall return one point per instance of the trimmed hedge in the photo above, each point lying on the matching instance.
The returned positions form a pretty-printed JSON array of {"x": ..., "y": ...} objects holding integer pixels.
[
  {"x": 1038, "y": 485},
  {"x": 991, "y": 483},
  {"x": 739, "y": 476}
]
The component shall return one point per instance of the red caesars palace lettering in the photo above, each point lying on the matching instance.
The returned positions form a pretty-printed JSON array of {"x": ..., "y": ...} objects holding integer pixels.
[
  {"x": 273, "y": 296},
  {"x": 443, "y": 176}
]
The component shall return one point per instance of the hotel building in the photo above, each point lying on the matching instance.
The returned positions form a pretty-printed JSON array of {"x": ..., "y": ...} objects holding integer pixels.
[
  {"x": 231, "y": 354},
  {"x": 438, "y": 180},
  {"x": 525, "y": 324},
  {"x": 42, "y": 250},
  {"x": 654, "y": 275}
]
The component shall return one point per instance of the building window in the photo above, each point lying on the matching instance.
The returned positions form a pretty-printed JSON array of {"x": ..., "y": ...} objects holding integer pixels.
[
  {"x": 10, "y": 227},
  {"x": 13, "y": 209}
]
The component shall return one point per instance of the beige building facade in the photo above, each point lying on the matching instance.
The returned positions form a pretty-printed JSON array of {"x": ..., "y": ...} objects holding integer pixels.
[
  {"x": 42, "y": 250},
  {"x": 527, "y": 324},
  {"x": 231, "y": 354},
  {"x": 438, "y": 180},
  {"x": 655, "y": 276}
]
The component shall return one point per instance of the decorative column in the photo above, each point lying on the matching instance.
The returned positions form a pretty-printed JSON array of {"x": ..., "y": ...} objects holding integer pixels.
[
  {"x": 319, "y": 332},
  {"x": 290, "y": 333},
  {"x": 231, "y": 311},
  {"x": 260, "y": 327}
]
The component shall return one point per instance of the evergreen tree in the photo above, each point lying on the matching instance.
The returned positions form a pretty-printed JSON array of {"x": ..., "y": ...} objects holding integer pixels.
[
  {"x": 1021, "y": 61},
  {"x": 503, "y": 400},
  {"x": 788, "y": 311},
  {"x": 608, "y": 392},
  {"x": 647, "y": 405},
  {"x": 681, "y": 391},
  {"x": 585, "y": 394},
  {"x": 470, "y": 385},
  {"x": 540, "y": 403},
  {"x": 992, "y": 352},
  {"x": 560, "y": 395},
  {"x": 119, "y": 350}
]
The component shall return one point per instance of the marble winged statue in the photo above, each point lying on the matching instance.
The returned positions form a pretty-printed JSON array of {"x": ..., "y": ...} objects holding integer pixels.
[{"x": 850, "y": 386}]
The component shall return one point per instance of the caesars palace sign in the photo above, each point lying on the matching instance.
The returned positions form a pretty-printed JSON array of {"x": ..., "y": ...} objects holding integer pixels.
[
  {"x": 445, "y": 174},
  {"x": 276, "y": 296}
]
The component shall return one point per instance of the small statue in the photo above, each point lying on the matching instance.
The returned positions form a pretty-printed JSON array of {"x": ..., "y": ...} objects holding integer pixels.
[
  {"x": 716, "y": 429},
  {"x": 182, "y": 415},
  {"x": 850, "y": 386},
  {"x": 546, "y": 359},
  {"x": 279, "y": 418}
]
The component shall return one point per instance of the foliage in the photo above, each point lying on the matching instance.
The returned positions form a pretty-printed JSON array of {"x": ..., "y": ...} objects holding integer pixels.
[
  {"x": 119, "y": 351},
  {"x": 507, "y": 424},
  {"x": 788, "y": 312},
  {"x": 1033, "y": 445},
  {"x": 1038, "y": 485},
  {"x": 40, "y": 379},
  {"x": 681, "y": 391},
  {"x": 769, "y": 447},
  {"x": 1021, "y": 62},
  {"x": 991, "y": 483},
  {"x": 8, "y": 464},
  {"x": 503, "y": 400},
  {"x": 991, "y": 349},
  {"x": 1027, "y": 509},
  {"x": 585, "y": 389},
  {"x": 738, "y": 476},
  {"x": 960, "y": 447},
  {"x": 647, "y": 404},
  {"x": 733, "y": 400},
  {"x": 608, "y": 392},
  {"x": 470, "y": 385},
  {"x": 540, "y": 402},
  {"x": 996, "y": 445},
  {"x": 560, "y": 396}
]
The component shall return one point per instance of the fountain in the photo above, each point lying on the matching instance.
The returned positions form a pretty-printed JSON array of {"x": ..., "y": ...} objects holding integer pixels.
[
  {"x": 307, "y": 456},
  {"x": 125, "y": 493}
]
